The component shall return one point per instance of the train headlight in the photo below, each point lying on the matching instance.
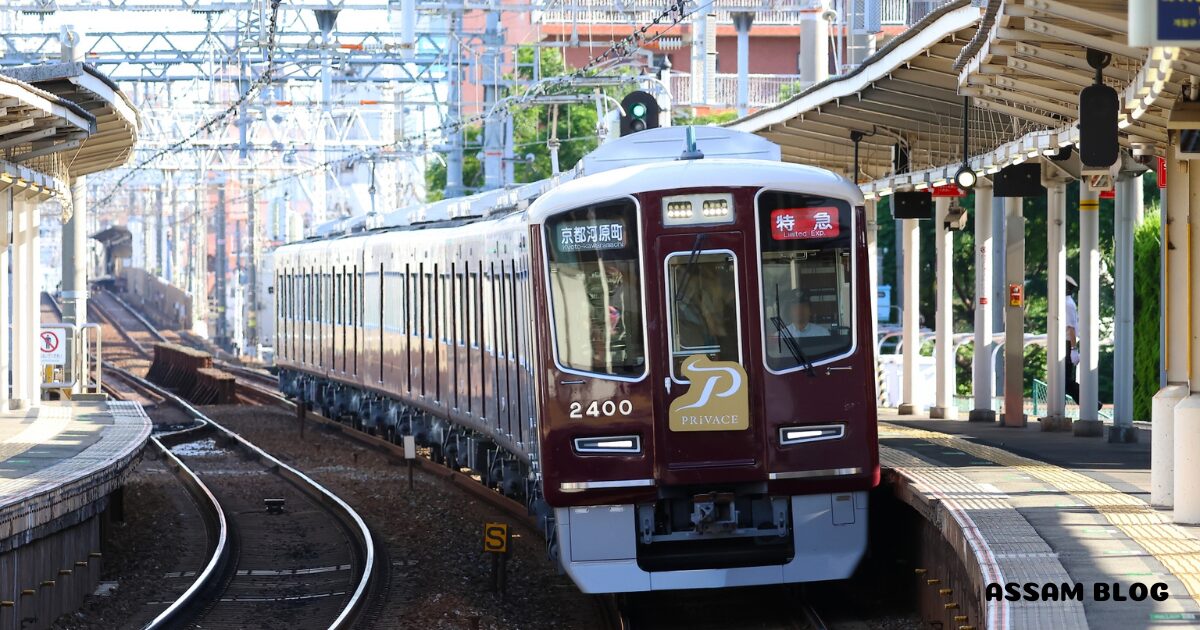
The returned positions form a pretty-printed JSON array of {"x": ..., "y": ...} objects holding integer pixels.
[
  {"x": 697, "y": 209},
  {"x": 614, "y": 444},
  {"x": 811, "y": 433}
]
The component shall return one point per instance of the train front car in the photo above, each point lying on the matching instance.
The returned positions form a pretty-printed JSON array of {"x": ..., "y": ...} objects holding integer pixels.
[{"x": 707, "y": 408}]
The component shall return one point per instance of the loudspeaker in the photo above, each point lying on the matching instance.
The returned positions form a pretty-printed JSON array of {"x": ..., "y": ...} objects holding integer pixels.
[
  {"x": 1099, "y": 108},
  {"x": 912, "y": 205},
  {"x": 1019, "y": 180}
]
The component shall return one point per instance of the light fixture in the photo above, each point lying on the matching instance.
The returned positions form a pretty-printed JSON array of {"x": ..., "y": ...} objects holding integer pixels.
[
  {"x": 811, "y": 433},
  {"x": 965, "y": 178},
  {"x": 615, "y": 444},
  {"x": 697, "y": 209}
]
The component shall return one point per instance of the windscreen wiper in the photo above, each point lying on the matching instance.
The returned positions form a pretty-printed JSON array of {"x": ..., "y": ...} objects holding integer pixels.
[
  {"x": 793, "y": 346},
  {"x": 687, "y": 269}
]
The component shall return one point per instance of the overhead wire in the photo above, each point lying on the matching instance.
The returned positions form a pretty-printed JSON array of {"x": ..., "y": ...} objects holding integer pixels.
[
  {"x": 618, "y": 51},
  {"x": 263, "y": 79}
]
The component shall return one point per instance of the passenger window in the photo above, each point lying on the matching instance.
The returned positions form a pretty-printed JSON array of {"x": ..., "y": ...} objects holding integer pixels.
[{"x": 595, "y": 288}]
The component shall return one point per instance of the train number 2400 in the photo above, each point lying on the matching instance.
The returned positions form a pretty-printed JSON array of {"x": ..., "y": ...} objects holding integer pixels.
[{"x": 599, "y": 408}]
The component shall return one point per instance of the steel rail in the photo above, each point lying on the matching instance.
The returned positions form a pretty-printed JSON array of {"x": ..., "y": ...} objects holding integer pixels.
[
  {"x": 344, "y": 513},
  {"x": 150, "y": 328},
  {"x": 183, "y": 605}
]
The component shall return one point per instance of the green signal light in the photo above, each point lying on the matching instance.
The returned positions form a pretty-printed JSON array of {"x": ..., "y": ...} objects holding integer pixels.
[{"x": 639, "y": 110}]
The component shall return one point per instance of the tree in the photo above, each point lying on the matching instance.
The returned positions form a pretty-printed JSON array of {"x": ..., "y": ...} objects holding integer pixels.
[
  {"x": 1146, "y": 259},
  {"x": 577, "y": 131}
]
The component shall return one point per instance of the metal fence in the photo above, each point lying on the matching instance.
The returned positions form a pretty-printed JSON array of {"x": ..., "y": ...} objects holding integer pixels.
[
  {"x": 765, "y": 89},
  {"x": 766, "y": 12},
  {"x": 1041, "y": 393},
  {"x": 772, "y": 12}
]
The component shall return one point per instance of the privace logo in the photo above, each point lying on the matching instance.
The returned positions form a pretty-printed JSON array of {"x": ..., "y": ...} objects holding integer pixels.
[{"x": 716, "y": 400}]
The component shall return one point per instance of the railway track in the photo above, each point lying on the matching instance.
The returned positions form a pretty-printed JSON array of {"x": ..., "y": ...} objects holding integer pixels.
[
  {"x": 775, "y": 608},
  {"x": 307, "y": 561},
  {"x": 308, "y": 564}
]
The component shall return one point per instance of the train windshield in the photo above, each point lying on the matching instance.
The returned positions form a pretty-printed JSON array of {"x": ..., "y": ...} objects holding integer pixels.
[
  {"x": 703, "y": 306},
  {"x": 806, "y": 247},
  {"x": 596, "y": 289}
]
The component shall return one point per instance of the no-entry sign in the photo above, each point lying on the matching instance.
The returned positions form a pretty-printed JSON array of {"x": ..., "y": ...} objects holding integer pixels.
[{"x": 54, "y": 351}]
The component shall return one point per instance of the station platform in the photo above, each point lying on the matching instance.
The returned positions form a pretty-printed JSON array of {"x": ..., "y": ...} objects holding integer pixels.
[
  {"x": 1019, "y": 505},
  {"x": 60, "y": 464}
]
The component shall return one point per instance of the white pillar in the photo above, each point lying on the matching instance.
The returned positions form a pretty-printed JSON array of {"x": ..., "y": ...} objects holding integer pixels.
[
  {"x": 6, "y": 212},
  {"x": 1056, "y": 306},
  {"x": 982, "y": 363},
  {"x": 1129, "y": 200},
  {"x": 33, "y": 306},
  {"x": 74, "y": 268},
  {"x": 814, "y": 44},
  {"x": 910, "y": 315},
  {"x": 943, "y": 315},
  {"x": 1088, "y": 424},
  {"x": 742, "y": 22},
  {"x": 1014, "y": 315},
  {"x": 1175, "y": 322},
  {"x": 872, "y": 211},
  {"x": 20, "y": 315},
  {"x": 1185, "y": 354}
]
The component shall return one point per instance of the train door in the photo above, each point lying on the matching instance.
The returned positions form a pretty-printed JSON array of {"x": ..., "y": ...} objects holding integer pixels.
[{"x": 703, "y": 411}]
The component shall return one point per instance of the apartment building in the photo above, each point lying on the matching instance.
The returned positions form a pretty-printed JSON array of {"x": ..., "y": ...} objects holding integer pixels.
[{"x": 585, "y": 28}]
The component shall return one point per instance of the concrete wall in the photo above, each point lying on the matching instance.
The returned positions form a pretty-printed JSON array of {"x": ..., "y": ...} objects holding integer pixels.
[
  {"x": 50, "y": 576},
  {"x": 167, "y": 306}
]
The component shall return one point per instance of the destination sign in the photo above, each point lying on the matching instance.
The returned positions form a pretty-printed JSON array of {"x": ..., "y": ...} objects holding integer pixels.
[
  {"x": 797, "y": 223},
  {"x": 588, "y": 236}
]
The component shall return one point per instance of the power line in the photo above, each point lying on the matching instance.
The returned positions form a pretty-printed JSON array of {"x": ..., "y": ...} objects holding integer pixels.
[
  {"x": 675, "y": 13},
  {"x": 262, "y": 80}
]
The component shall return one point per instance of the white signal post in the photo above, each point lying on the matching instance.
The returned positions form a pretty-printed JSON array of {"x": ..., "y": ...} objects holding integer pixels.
[{"x": 944, "y": 348}]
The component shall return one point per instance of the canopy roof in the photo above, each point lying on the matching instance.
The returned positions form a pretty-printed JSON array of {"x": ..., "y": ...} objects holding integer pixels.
[{"x": 1022, "y": 62}]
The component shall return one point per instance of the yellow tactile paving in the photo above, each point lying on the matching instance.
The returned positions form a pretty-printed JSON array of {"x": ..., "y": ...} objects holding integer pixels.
[{"x": 1170, "y": 544}]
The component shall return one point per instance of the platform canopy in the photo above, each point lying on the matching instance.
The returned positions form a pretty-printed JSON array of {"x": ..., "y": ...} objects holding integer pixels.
[
  {"x": 116, "y": 130},
  {"x": 35, "y": 124},
  {"x": 1021, "y": 62}
]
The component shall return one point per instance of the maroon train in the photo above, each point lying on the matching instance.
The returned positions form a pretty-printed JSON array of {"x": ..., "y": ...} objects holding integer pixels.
[{"x": 668, "y": 360}]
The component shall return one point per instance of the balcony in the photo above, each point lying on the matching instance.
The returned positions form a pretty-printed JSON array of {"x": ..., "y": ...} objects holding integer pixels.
[
  {"x": 765, "y": 89},
  {"x": 767, "y": 12},
  {"x": 639, "y": 12}
]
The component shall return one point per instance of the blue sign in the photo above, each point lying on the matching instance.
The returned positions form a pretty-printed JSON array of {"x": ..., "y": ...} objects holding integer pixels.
[{"x": 1178, "y": 19}]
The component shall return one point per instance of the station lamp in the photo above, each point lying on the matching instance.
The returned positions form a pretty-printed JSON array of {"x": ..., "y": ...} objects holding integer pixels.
[
  {"x": 966, "y": 177},
  {"x": 641, "y": 112}
]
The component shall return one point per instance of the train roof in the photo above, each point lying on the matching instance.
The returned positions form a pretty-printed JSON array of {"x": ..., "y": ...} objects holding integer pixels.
[
  {"x": 693, "y": 174},
  {"x": 615, "y": 161}
]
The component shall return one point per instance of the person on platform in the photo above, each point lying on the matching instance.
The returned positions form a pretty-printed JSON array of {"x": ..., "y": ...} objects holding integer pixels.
[
  {"x": 1072, "y": 341},
  {"x": 799, "y": 313}
]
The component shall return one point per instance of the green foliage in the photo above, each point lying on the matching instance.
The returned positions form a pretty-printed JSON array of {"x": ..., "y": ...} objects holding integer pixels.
[
  {"x": 576, "y": 132},
  {"x": 1146, "y": 264},
  {"x": 685, "y": 118},
  {"x": 1034, "y": 212},
  {"x": 788, "y": 90}
]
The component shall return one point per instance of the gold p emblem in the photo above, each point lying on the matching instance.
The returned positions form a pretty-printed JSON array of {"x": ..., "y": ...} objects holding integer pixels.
[{"x": 716, "y": 400}]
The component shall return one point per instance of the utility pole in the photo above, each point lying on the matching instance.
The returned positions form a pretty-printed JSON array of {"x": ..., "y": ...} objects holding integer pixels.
[
  {"x": 326, "y": 20},
  {"x": 493, "y": 128},
  {"x": 222, "y": 264},
  {"x": 454, "y": 161},
  {"x": 159, "y": 212},
  {"x": 252, "y": 316}
]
